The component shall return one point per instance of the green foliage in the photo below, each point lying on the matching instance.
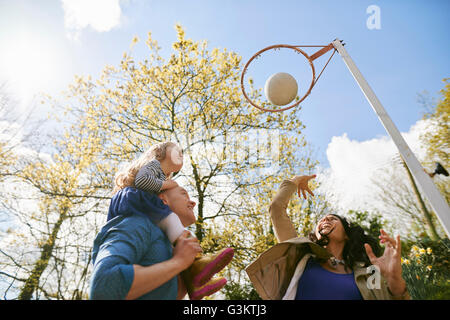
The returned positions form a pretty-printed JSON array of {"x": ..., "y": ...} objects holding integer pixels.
[
  {"x": 193, "y": 98},
  {"x": 426, "y": 269},
  {"x": 236, "y": 291},
  {"x": 371, "y": 223},
  {"x": 437, "y": 139}
]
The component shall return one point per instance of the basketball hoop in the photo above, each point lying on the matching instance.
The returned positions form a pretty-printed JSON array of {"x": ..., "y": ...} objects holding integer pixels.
[
  {"x": 438, "y": 203},
  {"x": 297, "y": 49}
]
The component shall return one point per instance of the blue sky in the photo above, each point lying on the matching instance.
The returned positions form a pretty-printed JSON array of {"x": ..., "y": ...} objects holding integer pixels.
[{"x": 42, "y": 51}]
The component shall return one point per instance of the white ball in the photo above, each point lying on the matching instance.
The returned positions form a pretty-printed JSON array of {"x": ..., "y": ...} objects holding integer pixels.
[{"x": 281, "y": 88}]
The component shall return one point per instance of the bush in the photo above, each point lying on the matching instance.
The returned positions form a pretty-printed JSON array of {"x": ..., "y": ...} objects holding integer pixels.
[
  {"x": 426, "y": 270},
  {"x": 236, "y": 291},
  {"x": 371, "y": 223}
]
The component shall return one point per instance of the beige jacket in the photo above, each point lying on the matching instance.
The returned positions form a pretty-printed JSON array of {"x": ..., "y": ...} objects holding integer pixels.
[{"x": 276, "y": 272}]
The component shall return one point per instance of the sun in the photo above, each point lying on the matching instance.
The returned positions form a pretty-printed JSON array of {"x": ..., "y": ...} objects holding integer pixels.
[{"x": 30, "y": 65}]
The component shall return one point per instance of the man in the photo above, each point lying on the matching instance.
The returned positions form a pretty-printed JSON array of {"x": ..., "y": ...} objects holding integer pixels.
[{"x": 134, "y": 259}]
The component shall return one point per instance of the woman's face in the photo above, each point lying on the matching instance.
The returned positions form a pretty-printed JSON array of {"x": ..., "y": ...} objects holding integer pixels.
[{"x": 331, "y": 226}]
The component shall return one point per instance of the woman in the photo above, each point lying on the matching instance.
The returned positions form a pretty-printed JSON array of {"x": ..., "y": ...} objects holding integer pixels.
[{"x": 336, "y": 262}]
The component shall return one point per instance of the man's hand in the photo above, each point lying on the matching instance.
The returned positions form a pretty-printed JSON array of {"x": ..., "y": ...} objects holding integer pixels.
[
  {"x": 169, "y": 184},
  {"x": 186, "y": 248},
  {"x": 302, "y": 184}
]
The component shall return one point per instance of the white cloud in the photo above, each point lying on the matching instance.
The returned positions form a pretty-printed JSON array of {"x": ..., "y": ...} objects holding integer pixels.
[
  {"x": 348, "y": 182},
  {"x": 101, "y": 15}
]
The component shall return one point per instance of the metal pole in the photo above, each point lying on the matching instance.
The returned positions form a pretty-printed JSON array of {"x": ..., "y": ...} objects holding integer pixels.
[
  {"x": 432, "y": 230},
  {"x": 438, "y": 203}
]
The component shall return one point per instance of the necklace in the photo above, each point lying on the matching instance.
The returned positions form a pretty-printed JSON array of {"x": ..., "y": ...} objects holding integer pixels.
[{"x": 334, "y": 262}]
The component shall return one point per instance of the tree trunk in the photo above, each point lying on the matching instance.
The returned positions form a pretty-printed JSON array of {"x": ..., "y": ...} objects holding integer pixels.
[
  {"x": 431, "y": 228},
  {"x": 199, "y": 232},
  {"x": 32, "y": 282}
]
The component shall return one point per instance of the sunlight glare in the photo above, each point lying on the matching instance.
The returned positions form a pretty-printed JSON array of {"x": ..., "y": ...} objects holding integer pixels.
[{"x": 31, "y": 65}]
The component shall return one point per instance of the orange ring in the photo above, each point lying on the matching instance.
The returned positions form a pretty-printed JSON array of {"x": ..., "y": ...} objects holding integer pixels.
[{"x": 273, "y": 47}]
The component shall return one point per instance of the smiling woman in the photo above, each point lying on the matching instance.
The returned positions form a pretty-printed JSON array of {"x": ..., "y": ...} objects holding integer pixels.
[{"x": 337, "y": 254}]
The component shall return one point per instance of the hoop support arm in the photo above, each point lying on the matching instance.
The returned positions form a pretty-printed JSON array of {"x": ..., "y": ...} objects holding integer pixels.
[{"x": 321, "y": 52}]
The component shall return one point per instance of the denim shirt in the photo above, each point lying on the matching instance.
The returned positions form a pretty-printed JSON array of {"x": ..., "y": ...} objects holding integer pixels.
[{"x": 126, "y": 240}]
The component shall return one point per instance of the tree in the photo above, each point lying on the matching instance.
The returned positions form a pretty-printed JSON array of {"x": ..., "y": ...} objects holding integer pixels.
[
  {"x": 397, "y": 187},
  {"x": 10, "y": 132},
  {"x": 399, "y": 204},
  {"x": 235, "y": 156},
  {"x": 16, "y": 133},
  {"x": 55, "y": 200},
  {"x": 371, "y": 223},
  {"x": 437, "y": 138},
  {"x": 424, "y": 210},
  {"x": 194, "y": 99}
]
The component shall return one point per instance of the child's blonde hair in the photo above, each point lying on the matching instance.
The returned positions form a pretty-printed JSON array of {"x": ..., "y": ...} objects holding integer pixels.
[{"x": 125, "y": 177}]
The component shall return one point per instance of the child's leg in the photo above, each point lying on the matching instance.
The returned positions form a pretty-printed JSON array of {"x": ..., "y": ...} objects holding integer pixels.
[
  {"x": 208, "y": 289},
  {"x": 205, "y": 267},
  {"x": 172, "y": 227},
  {"x": 198, "y": 293}
]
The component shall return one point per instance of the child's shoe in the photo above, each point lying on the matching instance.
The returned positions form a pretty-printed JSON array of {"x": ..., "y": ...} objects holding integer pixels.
[
  {"x": 205, "y": 267},
  {"x": 208, "y": 289}
]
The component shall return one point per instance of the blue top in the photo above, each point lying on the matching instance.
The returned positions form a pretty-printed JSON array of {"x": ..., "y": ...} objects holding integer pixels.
[
  {"x": 130, "y": 201},
  {"x": 127, "y": 239},
  {"x": 317, "y": 283}
]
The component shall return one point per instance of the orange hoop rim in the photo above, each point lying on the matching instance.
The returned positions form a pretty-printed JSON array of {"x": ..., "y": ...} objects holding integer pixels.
[{"x": 298, "y": 50}]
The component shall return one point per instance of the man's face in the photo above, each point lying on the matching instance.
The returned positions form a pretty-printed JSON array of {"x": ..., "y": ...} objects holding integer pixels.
[{"x": 179, "y": 202}]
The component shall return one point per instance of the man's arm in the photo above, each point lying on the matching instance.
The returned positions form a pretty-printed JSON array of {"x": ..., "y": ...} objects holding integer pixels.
[{"x": 151, "y": 277}]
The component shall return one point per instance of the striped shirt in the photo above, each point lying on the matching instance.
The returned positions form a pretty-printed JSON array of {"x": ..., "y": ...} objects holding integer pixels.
[{"x": 150, "y": 177}]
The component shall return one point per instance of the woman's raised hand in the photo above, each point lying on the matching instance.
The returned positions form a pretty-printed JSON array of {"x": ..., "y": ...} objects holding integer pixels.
[
  {"x": 302, "y": 184},
  {"x": 390, "y": 262}
]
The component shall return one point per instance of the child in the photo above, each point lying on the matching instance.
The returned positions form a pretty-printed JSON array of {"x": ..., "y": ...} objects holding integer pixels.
[{"x": 152, "y": 173}]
